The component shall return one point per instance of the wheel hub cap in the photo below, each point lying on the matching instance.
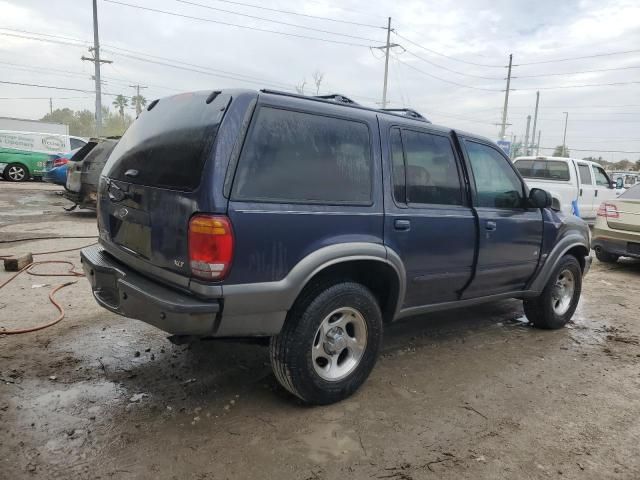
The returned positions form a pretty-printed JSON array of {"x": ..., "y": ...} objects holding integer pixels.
[
  {"x": 563, "y": 290},
  {"x": 339, "y": 344}
]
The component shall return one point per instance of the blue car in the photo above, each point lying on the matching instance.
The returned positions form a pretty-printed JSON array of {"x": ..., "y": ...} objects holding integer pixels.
[
  {"x": 317, "y": 222},
  {"x": 55, "y": 169}
]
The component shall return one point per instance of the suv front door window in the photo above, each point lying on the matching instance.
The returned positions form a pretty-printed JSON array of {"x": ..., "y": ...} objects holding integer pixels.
[{"x": 510, "y": 233}]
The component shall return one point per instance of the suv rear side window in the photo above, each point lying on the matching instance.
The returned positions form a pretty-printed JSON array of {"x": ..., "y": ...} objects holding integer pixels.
[
  {"x": 545, "y": 169},
  {"x": 497, "y": 184},
  {"x": 430, "y": 166},
  {"x": 294, "y": 157}
]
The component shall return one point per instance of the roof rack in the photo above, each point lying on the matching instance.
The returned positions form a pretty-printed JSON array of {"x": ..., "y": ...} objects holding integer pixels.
[
  {"x": 337, "y": 97},
  {"x": 406, "y": 112}
]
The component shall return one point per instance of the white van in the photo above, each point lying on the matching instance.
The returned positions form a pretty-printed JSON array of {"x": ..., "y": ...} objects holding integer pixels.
[{"x": 569, "y": 180}]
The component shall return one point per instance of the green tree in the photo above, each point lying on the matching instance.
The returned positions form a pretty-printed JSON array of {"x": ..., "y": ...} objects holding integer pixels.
[
  {"x": 81, "y": 123},
  {"x": 138, "y": 102},
  {"x": 121, "y": 102},
  {"x": 113, "y": 124},
  {"x": 561, "y": 151}
]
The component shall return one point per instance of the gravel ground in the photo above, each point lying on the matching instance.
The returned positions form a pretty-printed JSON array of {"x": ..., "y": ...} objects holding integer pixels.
[{"x": 472, "y": 393}]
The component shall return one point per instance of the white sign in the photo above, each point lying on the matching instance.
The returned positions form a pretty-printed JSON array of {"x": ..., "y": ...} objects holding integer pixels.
[{"x": 34, "y": 142}]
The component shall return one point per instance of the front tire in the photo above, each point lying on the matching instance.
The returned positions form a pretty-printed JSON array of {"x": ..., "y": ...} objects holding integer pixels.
[
  {"x": 16, "y": 172},
  {"x": 555, "y": 306},
  {"x": 329, "y": 343}
]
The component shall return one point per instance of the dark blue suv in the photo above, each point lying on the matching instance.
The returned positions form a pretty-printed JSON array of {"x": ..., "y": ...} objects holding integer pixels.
[{"x": 315, "y": 222}]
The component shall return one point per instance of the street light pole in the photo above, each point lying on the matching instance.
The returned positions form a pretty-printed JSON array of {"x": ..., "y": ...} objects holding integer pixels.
[{"x": 564, "y": 137}]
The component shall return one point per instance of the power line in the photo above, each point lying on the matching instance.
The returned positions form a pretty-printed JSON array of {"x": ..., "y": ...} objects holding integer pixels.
[
  {"x": 623, "y": 52},
  {"x": 614, "y": 84},
  {"x": 589, "y": 150},
  {"x": 289, "y": 12},
  {"x": 55, "y": 87},
  {"x": 444, "y": 55},
  {"x": 279, "y": 22},
  {"x": 62, "y": 37},
  {"x": 276, "y": 32},
  {"x": 48, "y": 40},
  {"x": 43, "y": 98},
  {"x": 451, "y": 69},
  {"x": 576, "y": 73},
  {"x": 201, "y": 70},
  {"x": 445, "y": 80}
]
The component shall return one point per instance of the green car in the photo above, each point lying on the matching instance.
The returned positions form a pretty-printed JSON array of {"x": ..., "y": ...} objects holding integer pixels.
[{"x": 20, "y": 165}]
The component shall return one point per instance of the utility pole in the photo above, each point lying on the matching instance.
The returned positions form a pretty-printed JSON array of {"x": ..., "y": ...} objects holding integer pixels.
[
  {"x": 564, "y": 137},
  {"x": 387, "y": 48},
  {"x": 535, "y": 121},
  {"x": 50, "y": 105},
  {"x": 137, "y": 99},
  {"x": 506, "y": 100},
  {"x": 538, "y": 145},
  {"x": 526, "y": 136},
  {"x": 97, "y": 61}
]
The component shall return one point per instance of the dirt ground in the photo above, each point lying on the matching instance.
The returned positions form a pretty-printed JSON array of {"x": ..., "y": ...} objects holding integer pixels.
[{"x": 473, "y": 393}]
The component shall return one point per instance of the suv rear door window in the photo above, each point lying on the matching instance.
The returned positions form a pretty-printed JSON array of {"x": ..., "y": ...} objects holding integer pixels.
[
  {"x": 430, "y": 166},
  {"x": 497, "y": 184},
  {"x": 295, "y": 157}
]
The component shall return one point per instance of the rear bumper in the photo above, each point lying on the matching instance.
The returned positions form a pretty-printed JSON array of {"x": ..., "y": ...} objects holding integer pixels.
[
  {"x": 616, "y": 246},
  {"x": 121, "y": 290},
  {"x": 242, "y": 311}
]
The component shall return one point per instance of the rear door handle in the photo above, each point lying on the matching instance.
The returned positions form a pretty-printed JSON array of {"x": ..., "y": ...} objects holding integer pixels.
[
  {"x": 490, "y": 225},
  {"x": 402, "y": 225},
  {"x": 596, "y": 193}
]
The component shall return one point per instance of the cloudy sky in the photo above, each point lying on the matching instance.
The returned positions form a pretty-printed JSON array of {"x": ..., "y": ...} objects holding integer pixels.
[{"x": 449, "y": 63}]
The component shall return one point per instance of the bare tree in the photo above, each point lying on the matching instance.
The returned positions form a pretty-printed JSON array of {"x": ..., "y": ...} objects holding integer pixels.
[
  {"x": 317, "y": 80},
  {"x": 300, "y": 87}
]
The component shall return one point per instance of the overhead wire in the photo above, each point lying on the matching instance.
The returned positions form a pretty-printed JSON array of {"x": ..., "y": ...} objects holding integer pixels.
[
  {"x": 289, "y": 12},
  {"x": 229, "y": 24}
]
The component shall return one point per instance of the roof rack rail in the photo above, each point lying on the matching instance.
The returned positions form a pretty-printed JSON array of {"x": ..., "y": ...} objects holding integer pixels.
[
  {"x": 406, "y": 112},
  {"x": 337, "y": 97}
]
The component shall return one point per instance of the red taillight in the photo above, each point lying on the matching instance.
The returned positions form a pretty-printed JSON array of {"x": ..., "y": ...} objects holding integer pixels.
[
  {"x": 58, "y": 162},
  {"x": 210, "y": 246},
  {"x": 608, "y": 210}
]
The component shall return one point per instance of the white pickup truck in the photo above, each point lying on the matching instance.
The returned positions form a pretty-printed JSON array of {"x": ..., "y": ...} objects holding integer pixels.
[{"x": 569, "y": 180}]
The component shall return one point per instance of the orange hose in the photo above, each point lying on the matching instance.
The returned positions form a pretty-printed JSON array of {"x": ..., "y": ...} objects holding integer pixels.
[{"x": 69, "y": 273}]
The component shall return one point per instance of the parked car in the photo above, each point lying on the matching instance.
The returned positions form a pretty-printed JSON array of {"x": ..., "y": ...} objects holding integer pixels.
[
  {"x": 617, "y": 230},
  {"x": 84, "y": 172},
  {"x": 55, "y": 169},
  {"x": 572, "y": 183},
  {"x": 24, "y": 154},
  {"x": 316, "y": 222},
  {"x": 624, "y": 180}
]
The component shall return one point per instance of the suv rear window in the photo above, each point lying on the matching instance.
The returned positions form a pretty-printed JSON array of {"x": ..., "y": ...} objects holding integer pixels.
[
  {"x": 169, "y": 144},
  {"x": 295, "y": 157},
  {"x": 545, "y": 169}
]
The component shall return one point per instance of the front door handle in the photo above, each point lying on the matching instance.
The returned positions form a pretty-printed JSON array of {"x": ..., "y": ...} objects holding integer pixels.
[
  {"x": 490, "y": 225},
  {"x": 580, "y": 192},
  {"x": 596, "y": 193},
  {"x": 402, "y": 225}
]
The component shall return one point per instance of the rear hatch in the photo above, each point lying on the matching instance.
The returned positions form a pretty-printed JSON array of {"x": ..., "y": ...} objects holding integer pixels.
[{"x": 150, "y": 183}]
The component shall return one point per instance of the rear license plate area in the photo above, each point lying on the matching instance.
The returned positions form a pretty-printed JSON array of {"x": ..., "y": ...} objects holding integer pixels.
[
  {"x": 130, "y": 229},
  {"x": 633, "y": 248}
]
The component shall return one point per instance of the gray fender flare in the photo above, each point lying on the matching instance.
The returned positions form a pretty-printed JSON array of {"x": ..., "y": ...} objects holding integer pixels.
[
  {"x": 280, "y": 295},
  {"x": 562, "y": 247}
]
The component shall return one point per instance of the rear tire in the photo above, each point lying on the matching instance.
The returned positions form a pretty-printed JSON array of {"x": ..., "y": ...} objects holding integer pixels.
[
  {"x": 555, "y": 306},
  {"x": 16, "y": 172},
  {"x": 606, "y": 257},
  {"x": 329, "y": 343}
]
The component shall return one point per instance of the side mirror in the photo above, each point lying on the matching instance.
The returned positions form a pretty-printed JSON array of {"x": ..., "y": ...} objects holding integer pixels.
[
  {"x": 539, "y": 198},
  {"x": 619, "y": 183}
]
